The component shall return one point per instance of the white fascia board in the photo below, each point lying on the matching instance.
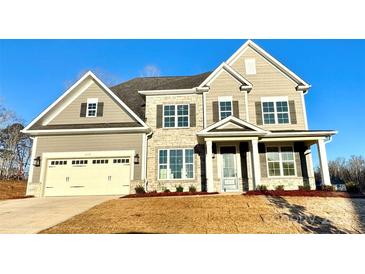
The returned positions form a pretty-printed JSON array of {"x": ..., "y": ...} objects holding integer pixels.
[
  {"x": 58, "y": 100},
  {"x": 236, "y": 120},
  {"x": 231, "y": 134},
  {"x": 67, "y": 102},
  {"x": 119, "y": 101},
  {"x": 304, "y": 133},
  {"x": 232, "y": 72},
  {"x": 93, "y": 76},
  {"x": 302, "y": 85},
  {"x": 171, "y": 91},
  {"x": 242, "y": 79},
  {"x": 86, "y": 130}
]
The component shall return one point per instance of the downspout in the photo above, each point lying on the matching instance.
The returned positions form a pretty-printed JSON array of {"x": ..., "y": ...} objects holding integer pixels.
[
  {"x": 328, "y": 140},
  {"x": 147, "y": 135}
]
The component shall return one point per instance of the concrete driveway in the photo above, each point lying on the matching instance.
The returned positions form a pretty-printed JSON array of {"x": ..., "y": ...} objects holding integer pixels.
[{"x": 32, "y": 215}]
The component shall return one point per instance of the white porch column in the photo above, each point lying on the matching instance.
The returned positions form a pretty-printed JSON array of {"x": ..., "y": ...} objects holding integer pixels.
[
  {"x": 323, "y": 162},
  {"x": 209, "y": 166},
  {"x": 256, "y": 173}
]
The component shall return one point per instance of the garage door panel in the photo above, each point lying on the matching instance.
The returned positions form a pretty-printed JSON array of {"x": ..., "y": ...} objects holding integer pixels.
[{"x": 104, "y": 176}]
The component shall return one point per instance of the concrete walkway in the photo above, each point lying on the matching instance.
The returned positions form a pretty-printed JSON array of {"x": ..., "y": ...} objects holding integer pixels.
[{"x": 32, "y": 215}]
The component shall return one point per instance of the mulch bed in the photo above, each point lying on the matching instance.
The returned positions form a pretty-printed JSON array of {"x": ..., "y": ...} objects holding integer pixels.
[
  {"x": 308, "y": 193},
  {"x": 167, "y": 194}
]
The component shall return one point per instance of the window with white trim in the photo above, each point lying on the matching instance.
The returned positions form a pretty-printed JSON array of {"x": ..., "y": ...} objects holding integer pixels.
[
  {"x": 225, "y": 107},
  {"x": 176, "y": 116},
  {"x": 250, "y": 65},
  {"x": 280, "y": 161},
  {"x": 92, "y": 107},
  {"x": 275, "y": 111},
  {"x": 175, "y": 164}
]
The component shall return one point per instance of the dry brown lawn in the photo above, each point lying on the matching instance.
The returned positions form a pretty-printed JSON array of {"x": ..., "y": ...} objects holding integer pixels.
[
  {"x": 220, "y": 214},
  {"x": 12, "y": 189}
]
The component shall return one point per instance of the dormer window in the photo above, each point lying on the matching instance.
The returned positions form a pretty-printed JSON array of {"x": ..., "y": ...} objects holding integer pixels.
[
  {"x": 225, "y": 107},
  {"x": 92, "y": 107},
  {"x": 275, "y": 110},
  {"x": 250, "y": 65}
]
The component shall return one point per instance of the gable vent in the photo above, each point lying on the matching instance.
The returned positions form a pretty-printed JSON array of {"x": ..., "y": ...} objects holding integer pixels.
[{"x": 250, "y": 65}]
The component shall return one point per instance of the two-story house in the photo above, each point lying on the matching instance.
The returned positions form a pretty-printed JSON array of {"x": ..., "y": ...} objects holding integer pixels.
[{"x": 229, "y": 130}]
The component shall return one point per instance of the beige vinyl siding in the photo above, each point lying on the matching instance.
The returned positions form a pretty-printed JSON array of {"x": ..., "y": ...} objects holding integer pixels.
[
  {"x": 97, "y": 142},
  {"x": 269, "y": 81},
  {"x": 225, "y": 85},
  {"x": 113, "y": 112}
]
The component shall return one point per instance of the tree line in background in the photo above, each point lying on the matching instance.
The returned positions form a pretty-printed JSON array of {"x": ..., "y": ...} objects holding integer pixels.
[
  {"x": 350, "y": 172},
  {"x": 15, "y": 146}
]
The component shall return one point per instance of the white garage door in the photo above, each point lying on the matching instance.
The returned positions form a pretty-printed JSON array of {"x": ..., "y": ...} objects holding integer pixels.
[{"x": 88, "y": 176}]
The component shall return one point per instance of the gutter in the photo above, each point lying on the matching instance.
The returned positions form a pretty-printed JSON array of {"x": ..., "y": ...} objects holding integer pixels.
[
  {"x": 197, "y": 90},
  {"x": 86, "y": 130}
]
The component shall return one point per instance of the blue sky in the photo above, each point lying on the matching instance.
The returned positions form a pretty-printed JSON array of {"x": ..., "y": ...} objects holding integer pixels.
[{"x": 33, "y": 73}]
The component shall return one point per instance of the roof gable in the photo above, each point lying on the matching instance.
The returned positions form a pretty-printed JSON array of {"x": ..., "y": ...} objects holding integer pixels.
[
  {"x": 82, "y": 85},
  {"x": 231, "y": 125},
  {"x": 246, "y": 85},
  {"x": 302, "y": 85}
]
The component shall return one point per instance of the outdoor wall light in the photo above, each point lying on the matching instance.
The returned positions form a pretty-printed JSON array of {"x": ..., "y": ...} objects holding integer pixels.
[
  {"x": 37, "y": 161},
  {"x": 136, "y": 159}
]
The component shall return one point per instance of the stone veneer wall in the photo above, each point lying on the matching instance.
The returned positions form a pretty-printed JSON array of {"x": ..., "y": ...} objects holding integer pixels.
[{"x": 172, "y": 138}]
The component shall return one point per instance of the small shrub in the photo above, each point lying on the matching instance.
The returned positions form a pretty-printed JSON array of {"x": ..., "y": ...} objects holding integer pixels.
[
  {"x": 179, "y": 188},
  {"x": 139, "y": 189},
  {"x": 261, "y": 188},
  {"x": 153, "y": 191},
  {"x": 166, "y": 190},
  {"x": 279, "y": 188},
  {"x": 192, "y": 188},
  {"x": 327, "y": 188},
  {"x": 352, "y": 187},
  {"x": 304, "y": 188}
]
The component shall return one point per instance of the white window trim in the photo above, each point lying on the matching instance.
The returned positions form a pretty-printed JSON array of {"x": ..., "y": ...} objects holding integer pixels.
[
  {"x": 274, "y": 100},
  {"x": 168, "y": 165},
  {"x": 248, "y": 63},
  {"x": 92, "y": 101},
  {"x": 176, "y": 116},
  {"x": 281, "y": 163},
  {"x": 224, "y": 99}
]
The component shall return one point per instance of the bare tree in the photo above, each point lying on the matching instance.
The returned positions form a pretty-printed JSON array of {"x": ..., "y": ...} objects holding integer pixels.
[
  {"x": 6, "y": 116},
  {"x": 15, "y": 149},
  {"x": 346, "y": 171}
]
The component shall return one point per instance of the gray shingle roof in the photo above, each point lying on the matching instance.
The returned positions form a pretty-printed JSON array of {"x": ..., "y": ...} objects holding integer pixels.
[{"x": 128, "y": 91}]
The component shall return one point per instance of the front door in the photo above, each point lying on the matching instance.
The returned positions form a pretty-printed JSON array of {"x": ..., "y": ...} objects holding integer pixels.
[{"x": 229, "y": 169}]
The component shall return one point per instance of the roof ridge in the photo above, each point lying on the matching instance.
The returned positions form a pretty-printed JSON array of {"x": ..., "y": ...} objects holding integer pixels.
[{"x": 161, "y": 77}]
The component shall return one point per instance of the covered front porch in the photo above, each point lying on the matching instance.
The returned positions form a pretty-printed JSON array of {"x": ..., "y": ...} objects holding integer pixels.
[{"x": 240, "y": 156}]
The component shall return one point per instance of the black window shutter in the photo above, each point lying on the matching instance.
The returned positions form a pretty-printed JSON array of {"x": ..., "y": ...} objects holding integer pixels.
[
  {"x": 159, "y": 116},
  {"x": 293, "y": 114},
  {"x": 215, "y": 112},
  {"x": 100, "y": 110},
  {"x": 192, "y": 115},
  {"x": 236, "y": 109},
  {"x": 258, "y": 113},
  {"x": 83, "y": 110}
]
